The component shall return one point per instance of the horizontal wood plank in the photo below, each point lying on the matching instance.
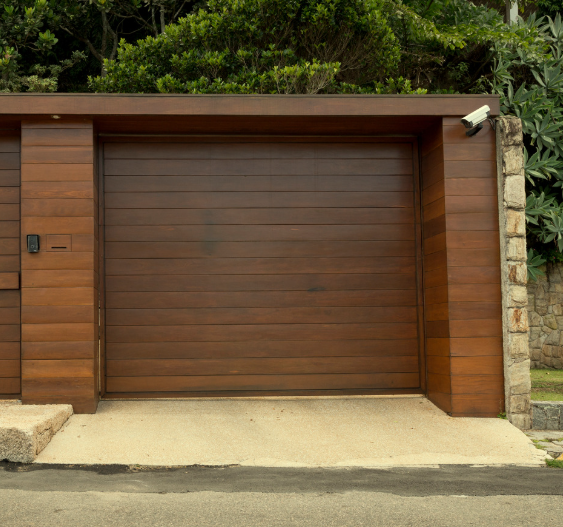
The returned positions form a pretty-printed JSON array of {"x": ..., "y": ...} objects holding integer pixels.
[
  {"x": 268, "y": 349},
  {"x": 260, "y": 366},
  {"x": 264, "y": 382}
]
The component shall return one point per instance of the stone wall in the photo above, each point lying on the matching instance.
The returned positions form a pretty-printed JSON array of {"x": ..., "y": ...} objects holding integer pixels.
[
  {"x": 545, "y": 313},
  {"x": 512, "y": 226},
  {"x": 547, "y": 415}
]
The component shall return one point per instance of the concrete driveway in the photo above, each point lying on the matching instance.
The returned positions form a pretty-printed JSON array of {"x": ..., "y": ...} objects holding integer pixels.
[{"x": 364, "y": 431}]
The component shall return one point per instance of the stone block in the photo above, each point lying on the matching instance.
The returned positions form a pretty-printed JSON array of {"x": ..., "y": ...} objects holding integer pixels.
[
  {"x": 515, "y": 223},
  {"x": 550, "y": 321},
  {"x": 517, "y": 273},
  {"x": 512, "y": 159},
  {"x": 519, "y": 404},
  {"x": 511, "y": 130},
  {"x": 518, "y": 345},
  {"x": 558, "y": 309},
  {"x": 25, "y": 430},
  {"x": 534, "y": 331},
  {"x": 518, "y": 378},
  {"x": 553, "y": 416},
  {"x": 554, "y": 273},
  {"x": 538, "y": 417},
  {"x": 534, "y": 319},
  {"x": 535, "y": 355},
  {"x": 521, "y": 421},
  {"x": 557, "y": 363},
  {"x": 553, "y": 338},
  {"x": 517, "y": 320},
  {"x": 546, "y": 331},
  {"x": 516, "y": 249},
  {"x": 541, "y": 306},
  {"x": 517, "y": 296}
]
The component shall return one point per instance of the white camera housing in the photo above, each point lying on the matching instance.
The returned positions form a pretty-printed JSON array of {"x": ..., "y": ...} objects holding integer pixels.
[{"x": 477, "y": 117}]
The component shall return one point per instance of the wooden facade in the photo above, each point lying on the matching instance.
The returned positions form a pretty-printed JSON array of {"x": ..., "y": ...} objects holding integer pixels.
[{"x": 243, "y": 245}]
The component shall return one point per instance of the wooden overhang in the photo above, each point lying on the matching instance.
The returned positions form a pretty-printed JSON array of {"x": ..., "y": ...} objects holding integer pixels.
[{"x": 275, "y": 114}]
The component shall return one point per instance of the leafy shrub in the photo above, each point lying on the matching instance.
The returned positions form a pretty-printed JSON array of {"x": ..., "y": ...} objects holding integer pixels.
[{"x": 263, "y": 46}]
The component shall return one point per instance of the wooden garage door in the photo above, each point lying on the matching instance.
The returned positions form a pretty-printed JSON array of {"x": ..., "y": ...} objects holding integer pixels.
[{"x": 248, "y": 266}]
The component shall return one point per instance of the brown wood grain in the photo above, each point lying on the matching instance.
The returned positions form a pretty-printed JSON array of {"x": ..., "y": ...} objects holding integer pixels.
[
  {"x": 438, "y": 347},
  {"x": 58, "y": 278},
  {"x": 10, "y": 229},
  {"x": 10, "y": 350},
  {"x": 211, "y": 200},
  {"x": 54, "y": 350},
  {"x": 60, "y": 154},
  {"x": 57, "y": 189},
  {"x": 439, "y": 365},
  {"x": 257, "y": 348},
  {"x": 260, "y": 366},
  {"x": 268, "y": 266},
  {"x": 471, "y": 347},
  {"x": 215, "y": 234},
  {"x": 10, "y": 368},
  {"x": 259, "y": 299},
  {"x": 31, "y": 314},
  {"x": 9, "y": 281},
  {"x": 264, "y": 382},
  {"x": 9, "y": 263},
  {"x": 57, "y": 296},
  {"x": 478, "y": 221},
  {"x": 57, "y": 137},
  {"x": 10, "y": 386},
  {"x": 478, "y": 384},
  {"x": 9, "y": 178},
  {"x": 57, "y": 261},
  {"x": 9, "y": 195},
  {"x": 253, "y": 150},
  {"x": 476, "y": 328},
  {"x": 9, "y": 161},
  {"x": 252, "y": 249},
  {"x": 262, "y": 315},
  {"x": 74, "y": 368},
  {"x": 9, "y": 212},
  {"x": 477, "y": 365},
  {"x": 477, "y": 405},
  {"x": 62, "y": 208},
  {"x": 313, "y": 282},
  {"x": 210, "y": 333},
  {"x": 255, "y": 167},
  {"x": 265, "y": 216},
  {"x": 9, "y": 245},
  {"x": 58, "y": 332},
  {"x": 56, "y": 172},
  {"x": 475, "y": 293}
]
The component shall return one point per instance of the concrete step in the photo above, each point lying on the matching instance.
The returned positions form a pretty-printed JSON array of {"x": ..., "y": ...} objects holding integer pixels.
[{"x": 25, "y": 430}]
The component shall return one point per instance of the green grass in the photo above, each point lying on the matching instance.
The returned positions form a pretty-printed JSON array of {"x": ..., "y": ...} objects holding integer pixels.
[
  {"x": 553, "y": 463},
  {"x": 547, "y": 385}
]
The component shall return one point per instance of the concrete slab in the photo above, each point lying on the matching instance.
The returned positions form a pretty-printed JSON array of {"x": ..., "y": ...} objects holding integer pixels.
[
  {"x": 26, "y": 430},
  {"x": 287, "y": 432}
]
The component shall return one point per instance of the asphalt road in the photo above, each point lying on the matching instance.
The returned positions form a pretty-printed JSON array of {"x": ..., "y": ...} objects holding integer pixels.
[{"x": 245, "y": 496}]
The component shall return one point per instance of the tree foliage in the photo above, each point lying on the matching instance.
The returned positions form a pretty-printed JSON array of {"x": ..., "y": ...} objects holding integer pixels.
[{"x": 262, "y": 46}]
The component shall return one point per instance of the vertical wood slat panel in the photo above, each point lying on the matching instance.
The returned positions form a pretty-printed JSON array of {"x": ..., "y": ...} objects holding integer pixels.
[
  {"x": 435, "y": 266},
  {"x": 59, "y": 198},
  {"x": 10, "y": 380},
  {"x": 471, "y": 196}
]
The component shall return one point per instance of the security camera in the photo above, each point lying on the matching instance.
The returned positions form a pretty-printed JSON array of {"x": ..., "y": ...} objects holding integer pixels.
[{"x": 474, "y": 119}]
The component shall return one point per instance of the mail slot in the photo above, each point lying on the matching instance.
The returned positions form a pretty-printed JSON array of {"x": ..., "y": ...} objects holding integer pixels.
[{"x": 58, "y": 242}]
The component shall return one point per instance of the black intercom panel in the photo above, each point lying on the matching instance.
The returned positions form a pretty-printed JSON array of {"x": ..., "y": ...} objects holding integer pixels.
[{"x": 33, "y": 243}]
